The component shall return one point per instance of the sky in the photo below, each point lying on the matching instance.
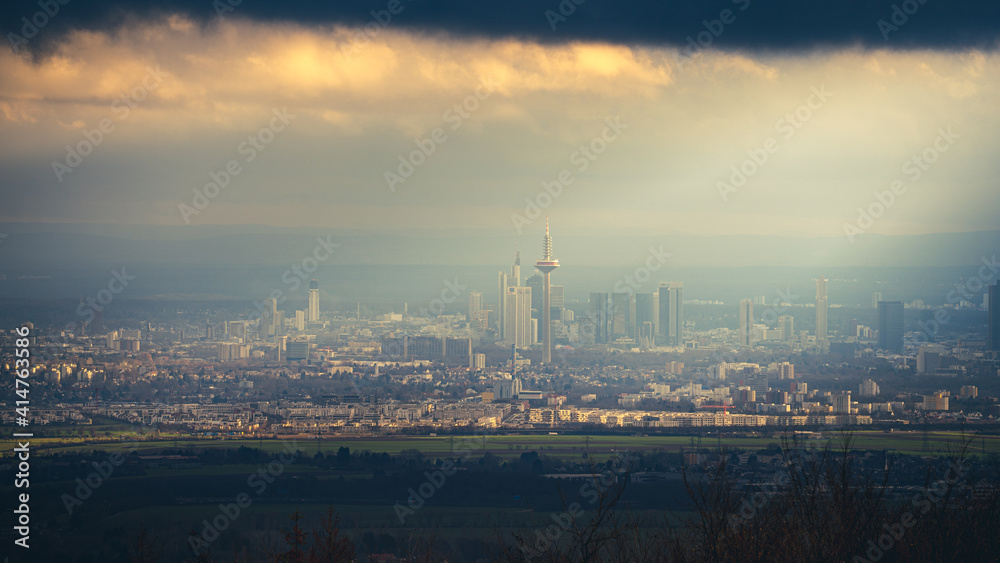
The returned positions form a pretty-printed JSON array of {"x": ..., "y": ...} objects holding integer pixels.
[{"x": 788, "y": 118}]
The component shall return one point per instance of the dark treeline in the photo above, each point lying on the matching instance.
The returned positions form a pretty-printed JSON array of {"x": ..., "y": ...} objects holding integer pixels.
[{"x": 787, "y": 502}]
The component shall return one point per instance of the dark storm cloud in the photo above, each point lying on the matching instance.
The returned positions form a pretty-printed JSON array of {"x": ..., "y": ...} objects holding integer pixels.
[{"x": 783, "y": 25}]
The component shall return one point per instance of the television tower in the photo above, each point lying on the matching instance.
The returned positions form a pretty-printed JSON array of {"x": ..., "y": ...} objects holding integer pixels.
[{"x": 545, "y": 266}]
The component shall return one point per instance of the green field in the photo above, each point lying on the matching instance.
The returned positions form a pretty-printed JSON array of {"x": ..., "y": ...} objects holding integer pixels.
[{"x": 507, "y": 446}]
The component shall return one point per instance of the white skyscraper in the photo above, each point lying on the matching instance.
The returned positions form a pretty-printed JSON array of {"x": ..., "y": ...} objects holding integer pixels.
[
  {"x": 475, "y": 305},
  {"x": 300, "y": 321},
  {"x": 670, "y": 310},
  {"x": 313, "y": 312},
  {"x": 517, "y": 323}
]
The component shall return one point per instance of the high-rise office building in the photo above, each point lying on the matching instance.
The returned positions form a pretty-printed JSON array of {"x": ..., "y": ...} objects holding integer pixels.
[
  {"x": 890, "y": 325},
  {"x": 557, "y": 301},
  {"x": 300, "y": 321},
  {"x": 601, "y": 317},
  {"x": 656, "y": 312},
  {"x": 312, "y": 313},
  {"x": 517, "y": 323},
  {"x": 536, "y": 282},
  {"x": 545, "y": 266},
  {"x": 515, "y": 270},
  {"x": 876, "y": 297},
  {"x": 502, "y": 306},
  {"x": 821, "y": 309},
  {"x": 644, "y": 311},
  {"x": 746, "y": 322},
  {"x": 269, "y": 317},
  {"x": 671, "y": 313},
  {"x": 475, "y": 305},
  {"x": 279, "y": 322},
  {"x": 787, "y": 325},
  {"x": 993, "y": 318},
  {"x": 623, "y": 313}
]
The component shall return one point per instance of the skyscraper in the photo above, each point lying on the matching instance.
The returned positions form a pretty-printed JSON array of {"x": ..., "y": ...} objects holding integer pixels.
[
  {"x": 993, "y": 318},
  {"x": 268, "y": 317},
  {"x": 475, "y": 305},
  {"x": 746, "y": 322},
  {"x": 622, "y": 315},
  {"x": 312, "y": 314},
  {"x": 644, "y": 312},
  {"x": 515, "y": 270},
  {"x": 787, "y": 325},
  {"x": 517, "y": 326},
  {"x": 502, "y": 305},
  {"x": 557, "y": 301},
  {"x": 890, "y": 325},
  {"x": 671, "y": 313},
  {"x": 821, "y": 308},
  {"x": 601, "y": 317},
  {"x": 545, "y": 266},
  {"x": 536, "y": 283}
]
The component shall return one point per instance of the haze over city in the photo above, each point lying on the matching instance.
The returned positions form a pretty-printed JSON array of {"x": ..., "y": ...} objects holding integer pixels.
[{"x": 450, "y": 281}]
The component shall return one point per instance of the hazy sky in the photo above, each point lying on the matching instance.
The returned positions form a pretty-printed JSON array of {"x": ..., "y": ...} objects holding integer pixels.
[{"x": 671, "y": 124}]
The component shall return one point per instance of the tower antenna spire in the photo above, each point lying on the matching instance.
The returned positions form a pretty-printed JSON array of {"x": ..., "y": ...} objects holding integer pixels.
[{"x": 545, "y": 266}]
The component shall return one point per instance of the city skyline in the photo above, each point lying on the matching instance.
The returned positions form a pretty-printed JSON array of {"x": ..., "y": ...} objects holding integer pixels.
[{"x": 271, "y": 288}]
